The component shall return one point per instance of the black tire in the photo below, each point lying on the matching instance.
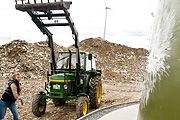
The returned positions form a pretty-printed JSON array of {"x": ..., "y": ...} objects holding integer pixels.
[
  {"x": 38, "y": 108},
  {"x": 95, "y": 92},
  {"x": 58, "y": 102},
  {"x": 82, "y": 106}
]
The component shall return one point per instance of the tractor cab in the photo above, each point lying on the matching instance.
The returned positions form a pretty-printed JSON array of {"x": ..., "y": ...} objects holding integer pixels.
[{"x": 67, "y": 61}]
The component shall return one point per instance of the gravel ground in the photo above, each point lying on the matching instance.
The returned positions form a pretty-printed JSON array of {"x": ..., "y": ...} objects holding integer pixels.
[{"x": 113, "y": 93}]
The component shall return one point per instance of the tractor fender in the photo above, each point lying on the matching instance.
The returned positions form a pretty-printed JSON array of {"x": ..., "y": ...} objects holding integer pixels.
[{"x": 84, "y": 94}]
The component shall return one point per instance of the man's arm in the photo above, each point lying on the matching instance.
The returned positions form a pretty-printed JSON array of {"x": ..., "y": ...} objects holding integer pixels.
[{"x": 14, "y": 90}]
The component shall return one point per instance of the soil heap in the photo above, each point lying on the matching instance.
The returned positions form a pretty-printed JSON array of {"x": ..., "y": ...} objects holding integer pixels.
[
  {"x": 117, "y": 62},
  {"x": 31, "y": 60}
]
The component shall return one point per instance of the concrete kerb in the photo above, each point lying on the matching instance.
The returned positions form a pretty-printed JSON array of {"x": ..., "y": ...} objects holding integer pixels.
[{"x": 118, "y": 106}]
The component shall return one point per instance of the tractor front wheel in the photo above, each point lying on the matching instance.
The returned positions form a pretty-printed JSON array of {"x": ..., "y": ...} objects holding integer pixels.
[
  {"x": 95, "y": 92},
  {"x": 38, "y": 108},
  {"x": 82, "y": 106}
]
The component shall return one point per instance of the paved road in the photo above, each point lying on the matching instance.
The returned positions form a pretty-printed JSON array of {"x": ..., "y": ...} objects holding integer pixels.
[{"x": 126, "y": 113}]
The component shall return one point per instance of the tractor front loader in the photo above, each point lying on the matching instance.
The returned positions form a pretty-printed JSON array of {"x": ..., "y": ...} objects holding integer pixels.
[{"x": 73, "y": 74}]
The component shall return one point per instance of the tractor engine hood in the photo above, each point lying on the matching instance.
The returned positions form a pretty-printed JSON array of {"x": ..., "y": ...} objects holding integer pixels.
[{"x": 63, "y": 77}]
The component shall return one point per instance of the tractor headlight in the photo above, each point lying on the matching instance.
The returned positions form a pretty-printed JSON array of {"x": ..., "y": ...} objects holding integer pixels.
[
  {"x": 48, "y": 85},
  {"x": 65, "y": 87},
  {"x": 81, "y": 81},
  {"x": 56, "y": 86}
]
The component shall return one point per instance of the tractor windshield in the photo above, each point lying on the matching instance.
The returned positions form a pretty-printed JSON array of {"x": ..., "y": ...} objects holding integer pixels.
[{"x": 63, "y": 61}]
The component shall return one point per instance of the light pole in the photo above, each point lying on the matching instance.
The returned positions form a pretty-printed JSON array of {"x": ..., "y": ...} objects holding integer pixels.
[{"x": 105, "y": 22}]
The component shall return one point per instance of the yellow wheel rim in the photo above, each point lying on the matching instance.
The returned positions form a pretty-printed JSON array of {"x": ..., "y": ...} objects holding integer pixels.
[
  {"x": 85, "y": 106},
  {"x": 41, "y": 107},
  {"x": 99, "y": 92}
]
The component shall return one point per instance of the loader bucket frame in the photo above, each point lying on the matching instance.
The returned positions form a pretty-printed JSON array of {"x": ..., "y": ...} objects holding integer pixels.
[{"x": 38, "y": 10}]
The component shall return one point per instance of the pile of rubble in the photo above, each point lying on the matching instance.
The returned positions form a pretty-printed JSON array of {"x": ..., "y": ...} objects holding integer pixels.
[
  {"x": 116, "y": 61},
  {"x": 31, "y": 60}
]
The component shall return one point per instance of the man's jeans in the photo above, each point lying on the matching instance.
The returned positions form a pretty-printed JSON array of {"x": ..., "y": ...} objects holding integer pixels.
[{"x": 11, "y": 106}]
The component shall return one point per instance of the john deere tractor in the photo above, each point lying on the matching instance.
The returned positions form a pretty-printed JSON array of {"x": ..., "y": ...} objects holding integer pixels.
[{"x": 73, "y": 74}]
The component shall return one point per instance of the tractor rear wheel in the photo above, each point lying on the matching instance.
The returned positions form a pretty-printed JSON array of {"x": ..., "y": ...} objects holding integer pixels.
[
  {"x": 82, "y": 106},
  {"x": 95, "y": 92},
  {"x": 38, "y": 108},
  {"x": 58, "y": 102}
]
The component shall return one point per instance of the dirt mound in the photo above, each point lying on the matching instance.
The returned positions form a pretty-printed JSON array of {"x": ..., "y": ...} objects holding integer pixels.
[
  {"x": 31, "y": 60},
  {"x": 116, "y": 61}
]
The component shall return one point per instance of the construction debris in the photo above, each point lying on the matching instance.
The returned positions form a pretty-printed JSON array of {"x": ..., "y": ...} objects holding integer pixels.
[
  {"x": 117, "y": 61},
  {"x": 31, "y": 60}
]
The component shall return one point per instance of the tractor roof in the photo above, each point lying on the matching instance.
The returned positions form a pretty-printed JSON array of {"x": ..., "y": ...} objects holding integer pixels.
[{"x": 73, "y": 52}]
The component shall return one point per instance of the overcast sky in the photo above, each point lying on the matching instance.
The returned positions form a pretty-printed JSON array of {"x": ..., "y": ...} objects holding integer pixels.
[{"x": 128, "y": 23}]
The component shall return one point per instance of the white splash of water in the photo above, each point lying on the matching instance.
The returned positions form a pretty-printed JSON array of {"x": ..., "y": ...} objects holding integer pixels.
[{"x": 161, "y": 42}]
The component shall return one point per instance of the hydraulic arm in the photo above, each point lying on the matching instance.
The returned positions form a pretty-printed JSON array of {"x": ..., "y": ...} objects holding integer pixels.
[{"x": 40, "y": 11}]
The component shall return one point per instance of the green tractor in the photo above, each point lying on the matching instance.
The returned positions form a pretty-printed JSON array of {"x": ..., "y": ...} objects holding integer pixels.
[
  {"x": 65, "y": 85},
  {"x": 73, "y": 74}
]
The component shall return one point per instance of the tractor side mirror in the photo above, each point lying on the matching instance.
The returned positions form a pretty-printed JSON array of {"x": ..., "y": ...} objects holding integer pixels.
[{"x": 90, "y": 56}]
